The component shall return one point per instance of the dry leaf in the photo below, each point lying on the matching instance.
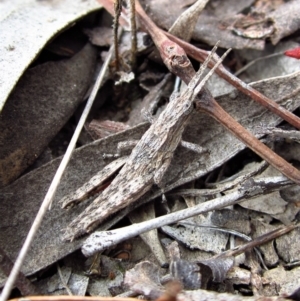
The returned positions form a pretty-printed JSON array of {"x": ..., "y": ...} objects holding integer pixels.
[
  {"x": 19, "y": 201},
  {"x": 26, "y": 27},
  {"x": 144, "y": 279},
  {"x": 42, "y": 102}
]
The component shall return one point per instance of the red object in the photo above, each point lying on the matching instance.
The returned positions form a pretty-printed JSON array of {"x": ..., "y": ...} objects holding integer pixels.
[{"x": 295, "y": 53}]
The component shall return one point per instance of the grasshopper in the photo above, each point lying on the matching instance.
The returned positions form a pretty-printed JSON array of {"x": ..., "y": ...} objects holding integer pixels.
[{"x": 147, "y": 162}]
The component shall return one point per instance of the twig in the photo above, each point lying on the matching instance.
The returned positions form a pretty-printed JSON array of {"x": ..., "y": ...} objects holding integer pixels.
[
  {"x": 257, "y": 60},
  {"x": 217, "y": 112},
  {"x": 117, "y": 11},
  {"x": 257, "y": 241},
  {"x": 99, "y": 241},
  {"x": 176, "y": 60},
  {"x": 54, "y": 184},
  {"x": 280, "y": 133},
  {"x": 133, "y": 33},
  {"x": 222, "y": 186},
  {"x": 71, "y": 298},
  {"x": 200, "y": 55}
]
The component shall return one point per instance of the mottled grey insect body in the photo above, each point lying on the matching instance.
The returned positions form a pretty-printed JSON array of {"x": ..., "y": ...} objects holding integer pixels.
[{"x": 147, "y": 163}]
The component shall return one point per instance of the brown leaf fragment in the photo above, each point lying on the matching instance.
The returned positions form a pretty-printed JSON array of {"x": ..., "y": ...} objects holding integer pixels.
[
  {"x": 144, "y": 279},
  {"x": 288, "y": 246},
  {"x": 189, "y": 16},
  {"x": 267, "y": 249},
  {"x": 43, "y": 100},
  {"x": 286, "y": 20},
  {"x": 172, "y": 290},
  {"x": 188, "y": 273},
  {"x": 211, "y": 26},
  {"x": 253, "y": 26},
  {"x": 104, "y": 128},
  {"x": 218, "y": 266},
  {"x": 279, "y": 281},
  {"x": 274, "y": 19}
]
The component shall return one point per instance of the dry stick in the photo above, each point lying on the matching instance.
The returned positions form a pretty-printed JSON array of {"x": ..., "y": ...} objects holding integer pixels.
[
  {"x": 71, "y": 298},
  {"x": 133, "y": 33},
  {"x": 171, "y": 53},
  {"x": 176, "y": 60},
  {"x": 200, "y": 55},
  {"x": 216, "y": 111},
  {"x": 256, "y": 242},
  {"x": 117, "y": 11},
  {"x": 101, "y": 240},
  {"x": 54, "y": 184}
]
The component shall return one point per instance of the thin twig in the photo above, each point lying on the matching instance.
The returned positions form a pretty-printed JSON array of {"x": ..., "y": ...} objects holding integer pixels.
[
  {"x": 117, "y": 10},
  {"x": 257, "y": 241},
  {"x": 200, "y": 55},
  {"x": 218, "y": 113},
  {"x": 133, "y": 33},
  {"x": 72, "y": 298},
  {"x": 54, "y": 184},
  {"x": 222, "y": 186},
  {"x": 263, "y": 58},
  {"x": 99, "y": 241},
  {"x": 176, "y": 60}
]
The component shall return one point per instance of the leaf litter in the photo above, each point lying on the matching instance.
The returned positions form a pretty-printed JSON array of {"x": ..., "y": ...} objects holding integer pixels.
[{"x": 88, "y": 160}]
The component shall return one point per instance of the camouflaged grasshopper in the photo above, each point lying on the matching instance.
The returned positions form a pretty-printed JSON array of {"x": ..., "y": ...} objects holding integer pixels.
[{"x": 145, "y": 166}]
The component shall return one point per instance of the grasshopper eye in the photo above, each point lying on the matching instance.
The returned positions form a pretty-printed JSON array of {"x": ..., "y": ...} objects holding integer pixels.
[{"x": 188, "y": 107}]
